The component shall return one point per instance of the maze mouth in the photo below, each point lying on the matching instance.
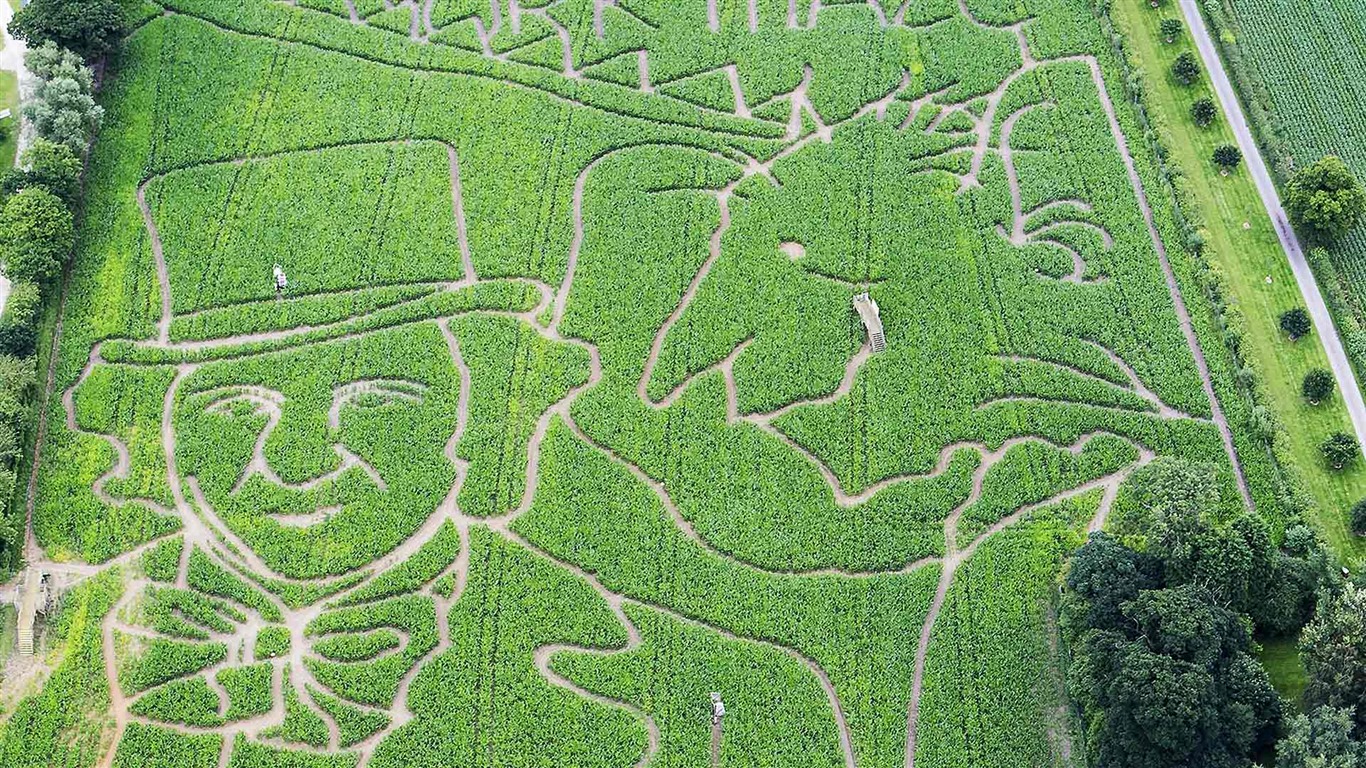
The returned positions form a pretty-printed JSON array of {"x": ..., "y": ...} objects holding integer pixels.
[{"x": 306, "y": 520}]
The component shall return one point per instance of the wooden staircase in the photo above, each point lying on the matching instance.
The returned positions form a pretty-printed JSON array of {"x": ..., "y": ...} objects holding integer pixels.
[
  {"x": 871, "y": 316},
  {"x": 31, "y": 601}
]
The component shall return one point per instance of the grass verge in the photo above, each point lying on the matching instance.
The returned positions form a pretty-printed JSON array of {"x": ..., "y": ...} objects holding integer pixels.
[{"x": 1241, "y": 244}]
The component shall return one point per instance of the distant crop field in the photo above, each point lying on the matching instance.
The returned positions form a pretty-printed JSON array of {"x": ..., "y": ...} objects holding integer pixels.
[
  {"x": 564, "y": 418},
  {"x": 1305, "y": 62}
]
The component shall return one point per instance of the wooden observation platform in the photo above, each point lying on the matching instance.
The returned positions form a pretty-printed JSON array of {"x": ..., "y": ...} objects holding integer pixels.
[{"x": 871, "y": 316}]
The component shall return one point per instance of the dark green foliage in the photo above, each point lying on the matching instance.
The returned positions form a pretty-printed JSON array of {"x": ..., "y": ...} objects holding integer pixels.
[
  {"x": 1359, "y": 518},
  {"x": 1104, "y": 575},
  {"x": 1322, "y": 738},
  {"x": 1171, "y": 29},
  {"x": 1186, "y": 68},
  {"x": 1162, "y": 663},
  {"x": 1296, "y": 323},
  {"x": 49, "y": 165},
  {"x": 1318, "y": 386},
  {"x": 88, "y": 27},
  {"x": 17, "y": 340},
  {"x": 1325, "y": 199},
  {"x": 1340, "y": 449},
  {"x": 1227, "y": 157},
  {"x": 1333, "y": 647},
  {"x": 36, "y": 235},
  {"x": 1176, "y": 686},
  {"x": 1203, "y": 111}
]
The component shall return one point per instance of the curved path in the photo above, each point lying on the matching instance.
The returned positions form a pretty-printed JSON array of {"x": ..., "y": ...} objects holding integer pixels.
[
  {"x": 1271, "y": 199},
  {"x": 202, "y": 529}
]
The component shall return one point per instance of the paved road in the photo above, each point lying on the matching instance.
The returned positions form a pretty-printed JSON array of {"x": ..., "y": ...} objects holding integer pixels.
[{"x": 1256, "y": 165}]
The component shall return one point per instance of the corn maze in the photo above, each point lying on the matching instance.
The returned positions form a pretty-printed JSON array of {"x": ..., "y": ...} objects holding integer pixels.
[{"x": 566, "y": 420}]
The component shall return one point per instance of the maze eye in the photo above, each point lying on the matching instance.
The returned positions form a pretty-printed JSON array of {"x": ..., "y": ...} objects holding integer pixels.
[
  {"x": 376, "y": 393},
  {"x": 243, "y": 402}
]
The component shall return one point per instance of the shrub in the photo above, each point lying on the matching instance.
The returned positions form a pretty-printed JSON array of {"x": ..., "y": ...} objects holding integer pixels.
[
  {"x": 1318, "y": 385},
  {"x": 1227, "y": 157},
  {"x": 1203, "y": 111},
  {"x": 1359, "y": 518},
  {"x": 1186, "y": 68},
  {"x": 1171, "y": 29},
  {"x": 36, "y": 235},
  {"x": 1295, "y": 322},
  {"x": 1340, "y": 449}
]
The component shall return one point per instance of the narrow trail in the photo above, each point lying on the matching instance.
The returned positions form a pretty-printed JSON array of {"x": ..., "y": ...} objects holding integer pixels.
[{"x": 203, "y": 529}]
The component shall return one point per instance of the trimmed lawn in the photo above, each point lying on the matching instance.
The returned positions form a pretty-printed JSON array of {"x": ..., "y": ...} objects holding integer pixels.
[
  {"x": 1281, "y": 658},
  {"x": 1242, "y": 244}
]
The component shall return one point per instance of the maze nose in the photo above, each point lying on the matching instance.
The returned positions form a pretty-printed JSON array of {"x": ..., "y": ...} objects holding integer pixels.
[{"x": 302, "y": 449}]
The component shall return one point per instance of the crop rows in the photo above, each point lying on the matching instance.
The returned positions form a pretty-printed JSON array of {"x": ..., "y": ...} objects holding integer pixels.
[{"x": 565, "y": 419}]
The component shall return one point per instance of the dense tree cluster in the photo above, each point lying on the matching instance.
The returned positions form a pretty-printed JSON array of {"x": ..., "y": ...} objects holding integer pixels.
[
  {"x": 91, "y": 28},
  {"x": 1158, "y": 616}
]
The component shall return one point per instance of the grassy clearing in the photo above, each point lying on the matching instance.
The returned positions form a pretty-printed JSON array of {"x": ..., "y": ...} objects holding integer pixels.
[
  {"x": 1281, "y": 657},
  {"x": 1242, "y": 244}
]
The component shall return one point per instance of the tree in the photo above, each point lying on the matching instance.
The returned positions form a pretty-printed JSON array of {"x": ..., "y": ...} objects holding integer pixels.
[
  {"x": 1321, "y": 739},
  {"x": 1325, "y": 198},
  {"x": 1171, "y": 29},
  {"x": 1333, "y": 647},
  {"x": 1318, "y": 386},
  {"x": 1203, "y": 111},
  {"x": 1340, "y": 449},
  {"x": 1102, "y": 576},
  {"x": 1186, "y": 68},
  {"x": 49, "y": 165},
  {"x": 1176, "y": 686},
  {"x": 1295, "y": 322},
  {"x": 36, "y": 235},
  {"x": 88, "y": 27},
  {"x": 1359, "y": 518},
  {"x": 62, "y": 107},
  {"x": 1227, "y": 157}
]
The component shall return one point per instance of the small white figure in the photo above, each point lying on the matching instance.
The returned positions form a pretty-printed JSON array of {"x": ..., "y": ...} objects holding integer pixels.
[
  {"x": 718, "y": 709},
  {"x": 281, "y": 282}
]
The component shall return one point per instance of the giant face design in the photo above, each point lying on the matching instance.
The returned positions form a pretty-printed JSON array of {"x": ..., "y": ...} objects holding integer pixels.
[{"x": 324, "y": 457}]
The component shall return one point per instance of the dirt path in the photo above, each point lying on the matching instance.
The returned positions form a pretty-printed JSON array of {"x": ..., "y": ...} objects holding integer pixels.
[{"x": 201, "y": 528}]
